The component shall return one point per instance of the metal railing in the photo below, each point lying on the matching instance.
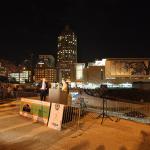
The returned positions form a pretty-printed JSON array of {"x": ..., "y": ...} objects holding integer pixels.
[
  {"x": 71, "y": 116},
  {"x": 135, "y": 111},
  {"x": 139, "y": 112}
]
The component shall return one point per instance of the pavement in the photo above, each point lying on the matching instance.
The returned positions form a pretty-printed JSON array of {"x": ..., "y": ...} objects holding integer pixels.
[{"x": 17, "y": 132}]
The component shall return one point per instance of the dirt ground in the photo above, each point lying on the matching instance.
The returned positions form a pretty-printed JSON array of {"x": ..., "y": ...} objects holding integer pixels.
[{"x": 17, "y": 132}]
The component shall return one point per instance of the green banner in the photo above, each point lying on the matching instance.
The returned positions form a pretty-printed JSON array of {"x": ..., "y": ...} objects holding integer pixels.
[{"x": 35, "y": 109}]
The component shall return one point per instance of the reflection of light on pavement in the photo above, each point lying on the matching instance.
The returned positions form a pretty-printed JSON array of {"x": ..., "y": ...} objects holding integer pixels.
[{"x": 15, "y": 126}]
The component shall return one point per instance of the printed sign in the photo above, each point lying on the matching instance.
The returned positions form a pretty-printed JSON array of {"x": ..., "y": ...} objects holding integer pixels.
[
  {"x": 35, "y": 109},
  {"x": 56, "y": 116}
]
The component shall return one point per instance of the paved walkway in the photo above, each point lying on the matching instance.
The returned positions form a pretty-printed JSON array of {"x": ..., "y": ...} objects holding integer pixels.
[{"x": 17, "y": 133}]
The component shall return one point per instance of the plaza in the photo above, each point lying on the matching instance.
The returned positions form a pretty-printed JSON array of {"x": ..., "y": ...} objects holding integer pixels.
[{"x": 17, "y": 132}]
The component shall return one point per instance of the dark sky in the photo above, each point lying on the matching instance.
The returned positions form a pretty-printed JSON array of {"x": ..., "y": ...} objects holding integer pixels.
[{"x": 105, "y": 28}]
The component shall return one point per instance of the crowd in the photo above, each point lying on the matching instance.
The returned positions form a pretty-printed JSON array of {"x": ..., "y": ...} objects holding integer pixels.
[{"x": 9, "y": 91}]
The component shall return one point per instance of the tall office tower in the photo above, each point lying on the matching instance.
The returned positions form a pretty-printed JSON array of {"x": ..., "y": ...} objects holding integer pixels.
[{"x": 67, "y": 52}]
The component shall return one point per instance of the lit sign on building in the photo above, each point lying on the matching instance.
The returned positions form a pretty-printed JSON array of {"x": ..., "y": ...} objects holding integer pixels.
[
  {"x": 100, "y": 62},
  {"x": 21, "y": 77},
  {"x": 79, "y": 71}
]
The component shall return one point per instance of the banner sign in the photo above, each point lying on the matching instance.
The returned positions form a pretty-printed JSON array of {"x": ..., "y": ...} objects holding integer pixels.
[
  {"x": 56, "y": 116},
  {"x": 35, "y": 109}
]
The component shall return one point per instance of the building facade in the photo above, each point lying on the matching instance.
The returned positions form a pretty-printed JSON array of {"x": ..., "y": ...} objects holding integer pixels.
[
  {"x": 128, "y": 68},
  {"x": 21, "y": 77},
  {"x": 44, "y": 71},
  {"x": 7, "y": 67},
  {"x": 67, "y": 53},
  {"x": 77, "y": 72},
  {"x": 49, "y": 60},
  {"x": 93, "y": 73},
  {"x": 115, "y": 72},
  {"x": 118, "y": 70}
]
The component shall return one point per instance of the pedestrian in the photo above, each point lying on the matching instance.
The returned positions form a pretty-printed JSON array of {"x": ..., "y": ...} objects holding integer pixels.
[
  {"x": 9, "y": 89},
  {"x": 15, "y": 92},
  {"x": 43, "y": 89},
  {"x": 1, "y": 92}
]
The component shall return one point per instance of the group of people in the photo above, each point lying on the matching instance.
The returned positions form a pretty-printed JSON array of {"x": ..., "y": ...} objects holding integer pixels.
[
  {"x": 7, "y": 91},
  {"x": 10, "y": 91},
  {"x": 44, "y": 88}
]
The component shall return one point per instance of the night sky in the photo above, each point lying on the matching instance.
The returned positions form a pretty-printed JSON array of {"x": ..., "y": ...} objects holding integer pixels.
[{"x": 106, "y": 28}]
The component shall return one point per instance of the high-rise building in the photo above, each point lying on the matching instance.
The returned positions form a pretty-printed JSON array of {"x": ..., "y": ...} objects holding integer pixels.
[
  {"x": 45, "y": 69},
  {"x": 42, "y": 71},
  {"x": 67, "y": 52}
]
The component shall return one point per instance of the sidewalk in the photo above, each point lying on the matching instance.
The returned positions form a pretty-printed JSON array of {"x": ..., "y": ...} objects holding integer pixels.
[{"x": 17, "y": 133}]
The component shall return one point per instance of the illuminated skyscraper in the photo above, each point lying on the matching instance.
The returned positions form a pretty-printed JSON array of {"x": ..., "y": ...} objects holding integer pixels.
[{"x": 67, "y": 52}]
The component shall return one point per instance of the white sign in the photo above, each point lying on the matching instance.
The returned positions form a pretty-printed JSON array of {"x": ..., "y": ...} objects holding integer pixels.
[{"x": 56, "y": 116}]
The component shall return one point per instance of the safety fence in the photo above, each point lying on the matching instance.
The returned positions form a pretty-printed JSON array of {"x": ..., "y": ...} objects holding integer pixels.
[
  {"x": 139, "y": 112},
  {"x": 71, "y": 116},
  {"x": 136, "y": 111},
  {"x": 54, "y": 115}
]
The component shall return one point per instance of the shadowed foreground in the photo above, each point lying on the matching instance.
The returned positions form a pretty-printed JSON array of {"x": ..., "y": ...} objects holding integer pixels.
[{"x": 17, "y": 133}]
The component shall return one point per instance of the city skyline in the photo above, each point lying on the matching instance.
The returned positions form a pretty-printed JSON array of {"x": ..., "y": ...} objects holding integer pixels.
[{"x": 105, "y": 29}]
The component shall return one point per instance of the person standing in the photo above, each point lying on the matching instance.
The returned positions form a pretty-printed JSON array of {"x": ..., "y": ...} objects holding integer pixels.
[
  {"x": 1, "y": 92},
  {"x": 43, "y": 89}
]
